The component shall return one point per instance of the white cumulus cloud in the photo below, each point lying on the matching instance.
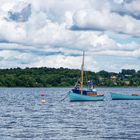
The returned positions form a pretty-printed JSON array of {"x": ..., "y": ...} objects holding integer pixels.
[
  {"x": 106, "y": 20},
  {"x": 44, "y": 36}
]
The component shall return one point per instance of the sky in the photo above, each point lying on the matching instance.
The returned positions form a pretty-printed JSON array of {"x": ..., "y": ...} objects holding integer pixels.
[{"x": 53, "y": 33}]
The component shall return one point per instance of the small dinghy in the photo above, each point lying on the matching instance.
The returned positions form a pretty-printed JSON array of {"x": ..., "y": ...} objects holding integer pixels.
[{"x": 117, "y": 96}]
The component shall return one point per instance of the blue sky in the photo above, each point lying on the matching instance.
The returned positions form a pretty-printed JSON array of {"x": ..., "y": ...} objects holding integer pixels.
[{"x": 53, "y": 33}]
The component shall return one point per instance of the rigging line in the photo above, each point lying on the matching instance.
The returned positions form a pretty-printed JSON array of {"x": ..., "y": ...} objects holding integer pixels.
[
  {"x": 86, "y": 76},
  {"x": 64, "y": 97}
]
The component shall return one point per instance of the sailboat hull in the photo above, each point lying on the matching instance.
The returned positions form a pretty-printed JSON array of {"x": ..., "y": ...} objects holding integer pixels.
[
  {"x": 79, "y": 97},
  {"x": 116, "y": 96}
]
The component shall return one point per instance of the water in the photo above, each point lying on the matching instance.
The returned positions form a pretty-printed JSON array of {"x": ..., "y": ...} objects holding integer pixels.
[{"x": 24, "y": 117}]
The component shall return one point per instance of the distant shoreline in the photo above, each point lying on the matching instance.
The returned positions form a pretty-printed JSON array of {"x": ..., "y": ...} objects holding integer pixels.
[
  {"x": 69, "y": 87},
  {"x": 64, "y": 77}
]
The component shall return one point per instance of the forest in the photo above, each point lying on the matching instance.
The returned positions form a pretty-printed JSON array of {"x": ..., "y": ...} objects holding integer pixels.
[{"x": 64, "y": 77}]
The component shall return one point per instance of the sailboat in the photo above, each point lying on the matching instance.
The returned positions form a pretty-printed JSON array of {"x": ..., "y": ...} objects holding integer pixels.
[{"x": 84, "y": 94}]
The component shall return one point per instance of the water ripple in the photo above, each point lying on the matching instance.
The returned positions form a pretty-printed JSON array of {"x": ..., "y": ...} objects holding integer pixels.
[{"x": 24, "y": 117}]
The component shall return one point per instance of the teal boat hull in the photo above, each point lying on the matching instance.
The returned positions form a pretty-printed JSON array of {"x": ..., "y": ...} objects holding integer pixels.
[
  {"x": 79, "y": 97},
  {"x": 117, "y": 96}
]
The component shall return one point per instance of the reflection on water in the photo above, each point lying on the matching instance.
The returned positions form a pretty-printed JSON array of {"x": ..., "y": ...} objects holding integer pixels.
[{"x": 24, "y": 115}]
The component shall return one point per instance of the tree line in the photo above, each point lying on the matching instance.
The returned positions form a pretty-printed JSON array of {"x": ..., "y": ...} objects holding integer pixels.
[{"x": 64, "y": 77}]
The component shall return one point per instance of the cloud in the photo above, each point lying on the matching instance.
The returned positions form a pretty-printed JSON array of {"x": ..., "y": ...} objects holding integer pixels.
[
  {"x": 39, "y": 33},
  {"x": 126, "y": 7},
  {"x": 12, "y": 32},
  {"x": 21, "y": 16},
  {"x": 106, "y": 21},
  {"x": 133, "y": 8}
]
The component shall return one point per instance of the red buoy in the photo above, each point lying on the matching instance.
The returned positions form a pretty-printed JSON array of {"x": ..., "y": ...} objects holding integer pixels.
[{"x": 42, "y": 94}]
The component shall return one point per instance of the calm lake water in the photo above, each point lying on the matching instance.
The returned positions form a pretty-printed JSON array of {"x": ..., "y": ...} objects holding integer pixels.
[{"x": 23, "y": 116}]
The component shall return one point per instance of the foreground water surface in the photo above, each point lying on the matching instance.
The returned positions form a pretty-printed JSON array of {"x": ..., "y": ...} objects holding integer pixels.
[{"x": 23, "y": 116}]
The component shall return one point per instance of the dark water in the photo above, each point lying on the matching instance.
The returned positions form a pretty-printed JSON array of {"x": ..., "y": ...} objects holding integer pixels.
[{"x": 23, "y": 116}]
